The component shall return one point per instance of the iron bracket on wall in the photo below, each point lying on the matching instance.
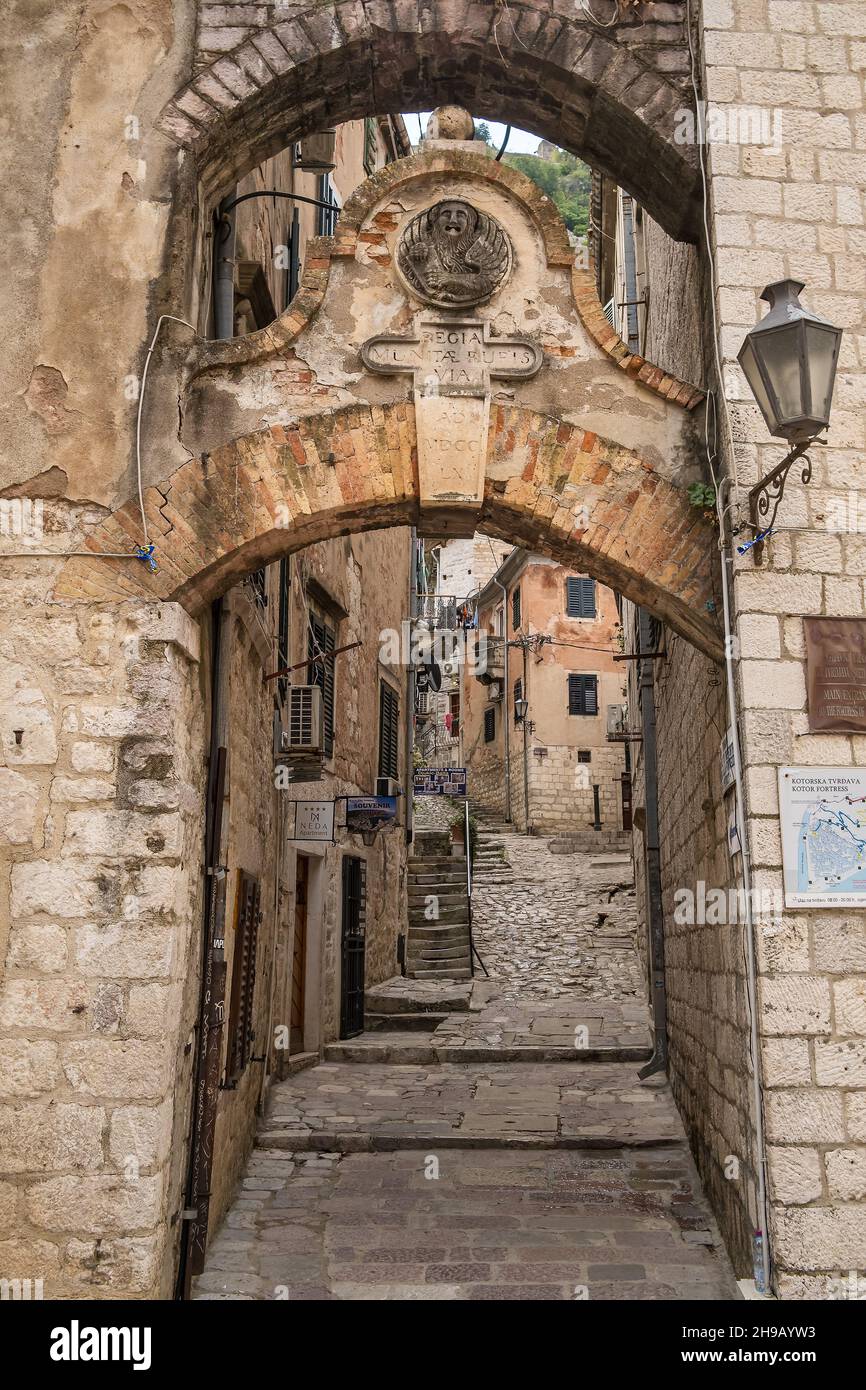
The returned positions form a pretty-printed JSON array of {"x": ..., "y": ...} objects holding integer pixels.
[{"x": 767, "y": 494}]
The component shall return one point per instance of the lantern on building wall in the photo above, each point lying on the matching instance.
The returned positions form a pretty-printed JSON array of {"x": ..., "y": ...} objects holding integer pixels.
[{"x": 789, "y": 360}]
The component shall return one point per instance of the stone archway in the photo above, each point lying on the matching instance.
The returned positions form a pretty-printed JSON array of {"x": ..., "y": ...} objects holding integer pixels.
[
  {"x": 611, "y": 95},
  {"x": 356, "y": 469},
  {"x": 365, "y": 405}
]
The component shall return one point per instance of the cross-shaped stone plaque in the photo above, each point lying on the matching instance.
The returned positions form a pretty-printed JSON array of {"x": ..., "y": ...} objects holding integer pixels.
[{"x": 453, "y": 362}]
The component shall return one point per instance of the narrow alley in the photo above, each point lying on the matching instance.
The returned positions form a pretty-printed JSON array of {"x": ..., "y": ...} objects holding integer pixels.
[
  {"x": 433, "y": 682},
  {"x": 504, "y": 1147}
]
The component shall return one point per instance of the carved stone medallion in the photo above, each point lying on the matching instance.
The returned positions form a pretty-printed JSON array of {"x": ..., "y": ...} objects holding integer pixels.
[{"x": 454, "y": 256}]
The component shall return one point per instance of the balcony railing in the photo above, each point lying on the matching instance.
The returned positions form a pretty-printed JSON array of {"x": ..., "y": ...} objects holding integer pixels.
[{"x": 444, "y": 611}]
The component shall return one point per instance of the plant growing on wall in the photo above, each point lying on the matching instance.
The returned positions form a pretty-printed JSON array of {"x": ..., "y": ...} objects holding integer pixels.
[{"x": 703, "y": 496}]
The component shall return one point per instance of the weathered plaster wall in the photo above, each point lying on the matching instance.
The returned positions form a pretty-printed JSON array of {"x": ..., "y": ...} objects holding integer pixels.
[
  {"x": 560, "y": 788},
  {"x": 93, "y": 179}
]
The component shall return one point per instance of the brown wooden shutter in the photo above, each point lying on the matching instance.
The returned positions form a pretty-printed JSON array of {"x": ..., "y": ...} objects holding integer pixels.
[{"x": 240, "y": 1036}]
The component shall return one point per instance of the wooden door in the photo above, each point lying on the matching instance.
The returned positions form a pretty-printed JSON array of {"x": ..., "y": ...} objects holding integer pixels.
[
  {"x": 299, "y": 956},
  {"x": 353, "y": 946}
]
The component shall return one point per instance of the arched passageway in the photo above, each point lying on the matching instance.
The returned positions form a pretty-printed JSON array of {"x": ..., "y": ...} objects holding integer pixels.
[
  {"x": 610, "y": 95},
  {"x": 269, "y": 494}
]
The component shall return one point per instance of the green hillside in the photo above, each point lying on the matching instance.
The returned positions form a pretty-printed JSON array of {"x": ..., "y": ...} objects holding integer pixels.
[{"x": 565, "y": 180}]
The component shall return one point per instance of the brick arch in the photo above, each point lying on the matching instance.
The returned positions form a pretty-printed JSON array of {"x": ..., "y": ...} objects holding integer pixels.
[
  {"x": 608, "y": 94},
  {"x": 550, "y": 486}
]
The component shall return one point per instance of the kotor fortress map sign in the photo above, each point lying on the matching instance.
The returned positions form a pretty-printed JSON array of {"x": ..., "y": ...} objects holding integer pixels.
[{"x": 823, "y": 815}]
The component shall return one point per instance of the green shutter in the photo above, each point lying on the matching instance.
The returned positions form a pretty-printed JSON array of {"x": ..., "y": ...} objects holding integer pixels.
[{"x": 580, "y": 597}]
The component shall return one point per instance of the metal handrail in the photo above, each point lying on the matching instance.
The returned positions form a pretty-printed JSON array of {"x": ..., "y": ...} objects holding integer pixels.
[{"x": 473, "y": 949}]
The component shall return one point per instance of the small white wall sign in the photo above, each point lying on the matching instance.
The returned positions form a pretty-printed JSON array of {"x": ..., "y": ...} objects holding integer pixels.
[{"x": 314, "y": 820}]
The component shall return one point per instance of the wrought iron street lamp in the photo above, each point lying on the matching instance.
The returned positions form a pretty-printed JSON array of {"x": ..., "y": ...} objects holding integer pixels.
[
  {"x": 520, "y": 708},
  {"x": 789, "y": 360}
]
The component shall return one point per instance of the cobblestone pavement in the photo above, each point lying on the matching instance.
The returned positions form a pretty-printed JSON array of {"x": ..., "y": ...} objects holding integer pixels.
[
  {"x": 498, "y": 1026},
  {"x": 558, "y": 924},
  {"x": 353, "y": 1105},
  {"x": 470, "y": 1225},
  {"x": 507, "y": 1152}
]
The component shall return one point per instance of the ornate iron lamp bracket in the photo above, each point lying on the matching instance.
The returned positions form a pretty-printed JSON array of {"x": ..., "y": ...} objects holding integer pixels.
[{"x": 766, "y": 495}]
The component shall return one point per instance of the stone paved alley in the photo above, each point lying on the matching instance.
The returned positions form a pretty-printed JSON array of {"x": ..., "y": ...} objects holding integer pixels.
[{"x": 507, "y": 1152}]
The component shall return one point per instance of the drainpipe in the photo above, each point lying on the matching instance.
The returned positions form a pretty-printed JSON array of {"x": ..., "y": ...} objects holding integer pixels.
[
  {"x": 224, "y": 271},
  {"x": 526, "y": 830},
  {"x": 212, "y": 981},
  {"x": 506, "y": 721},
  {"x": 652, "y": 859},
  {"x": 745, "y": 855}
]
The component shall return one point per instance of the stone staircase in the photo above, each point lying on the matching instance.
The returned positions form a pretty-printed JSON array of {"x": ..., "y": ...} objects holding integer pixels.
[
  {"x": 406, "y": 1005},
  {"x": 438, "y": 947},
  {"x": 490, "y": 864}
]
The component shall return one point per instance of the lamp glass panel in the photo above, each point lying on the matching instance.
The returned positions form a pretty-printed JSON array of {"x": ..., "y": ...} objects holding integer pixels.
[
  {"x": 821, "y": 348},
  {"x": 780, "y": 353},
  {"x": 752, "y": 373}
]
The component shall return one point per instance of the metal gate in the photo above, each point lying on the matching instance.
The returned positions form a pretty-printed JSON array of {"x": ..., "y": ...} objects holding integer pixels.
[{"x": 352, "y": 946}]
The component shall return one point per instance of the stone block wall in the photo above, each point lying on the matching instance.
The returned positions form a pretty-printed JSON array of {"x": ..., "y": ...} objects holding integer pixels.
[
  {"x": 102, "y": 765},
  {"x": 794, "y": 206},
  {"x": 704, "y": 959},
  {"x": 560, "y": 788}
]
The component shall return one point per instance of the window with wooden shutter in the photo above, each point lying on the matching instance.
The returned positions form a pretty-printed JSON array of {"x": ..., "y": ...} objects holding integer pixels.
[
  {"x": 389, "y": 731},
  {"x": 580, "y": 597},
  {"x": 454, "y": 711},
  {"x": 582, "y": 694},
  {"x": 240, "y": 1033},
  {"x": 321, "y": 640},
  {"x": 489, "y": 725},
  {"x": 326, "y": 219},
  {"x": 515, "y": 609}
]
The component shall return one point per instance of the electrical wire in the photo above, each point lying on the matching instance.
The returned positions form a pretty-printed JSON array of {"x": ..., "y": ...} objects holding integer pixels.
[
  {"x": 141, "y": 552},
  {"x": 160, "y": 321},
  {"x": 602, "y": 23}
]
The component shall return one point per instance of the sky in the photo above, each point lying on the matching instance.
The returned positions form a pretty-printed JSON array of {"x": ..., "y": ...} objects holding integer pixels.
[{"x": 519, "y": 141}]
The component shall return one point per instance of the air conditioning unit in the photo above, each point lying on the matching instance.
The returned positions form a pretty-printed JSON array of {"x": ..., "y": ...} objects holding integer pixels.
[
  {"x": 387, "y": 786},
  {"x": 451, "y": 668},
  {"x": 316, "y": 152},
  {"x": 301, "y": 731},
  {"x": 617, "y": 721},
  {"x": 494, "y": 691}
]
